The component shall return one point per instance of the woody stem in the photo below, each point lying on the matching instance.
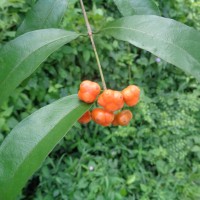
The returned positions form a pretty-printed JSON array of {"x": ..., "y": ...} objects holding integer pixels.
[{"x": 93, "y": 44}]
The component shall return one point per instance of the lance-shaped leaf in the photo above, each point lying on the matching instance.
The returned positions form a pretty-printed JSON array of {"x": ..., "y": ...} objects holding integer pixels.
[
  {"x": 29, "y": 143},
  {"x": 170, "y": 40},
  {"x": 44, "y": 14},
  {"x": 137, "y": 7},
  {"x": 21, "y": 57}
]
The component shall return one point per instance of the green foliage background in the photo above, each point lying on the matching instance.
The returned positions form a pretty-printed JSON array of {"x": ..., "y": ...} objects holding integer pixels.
[{"x": 156, "y": 157}]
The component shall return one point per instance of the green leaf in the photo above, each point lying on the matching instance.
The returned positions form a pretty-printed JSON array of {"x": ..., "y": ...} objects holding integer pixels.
[
  {"x": 131, "y": 179},
  {"x": 170, "y": 40},
  {"x": 44, "y": 14},
  {"x": 21, "y": 57},
  {"x": 137, "y": 7},
  {"x": 29, "y": 143}
]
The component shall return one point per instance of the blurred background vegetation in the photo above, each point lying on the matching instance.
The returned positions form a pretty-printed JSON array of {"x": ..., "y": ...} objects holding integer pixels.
[{"x": 157, "y": 157}]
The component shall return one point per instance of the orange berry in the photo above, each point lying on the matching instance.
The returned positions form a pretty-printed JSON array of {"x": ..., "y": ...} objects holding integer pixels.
[
  {"x": 88, "y": 91},
  {"x": 111, "y": 100},
  {"x": 86, "y": 97},
  {"x": 131, "y": 95},
  {"x": 115, "y": 121},
  {"x": 123, "y": 118},
  {"x": 102, "y": 117},
  {"x": 85, "y": 118}
]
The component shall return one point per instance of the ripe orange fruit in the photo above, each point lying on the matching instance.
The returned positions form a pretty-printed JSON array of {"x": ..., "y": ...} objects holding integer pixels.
[
  {"x": 115, "y": 121},
  {"x": 123, "y": 118},
  {"x": 131, "y": 95},
  {"x": 88, "y": 91},
  {"x": 85, "y": 118},
  {"x": 102, "y": 116},
  {"x": 111, "y": 100}
]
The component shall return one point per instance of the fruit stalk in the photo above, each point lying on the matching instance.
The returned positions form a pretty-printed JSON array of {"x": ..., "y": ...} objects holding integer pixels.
[{"x": 93, "y": 44}]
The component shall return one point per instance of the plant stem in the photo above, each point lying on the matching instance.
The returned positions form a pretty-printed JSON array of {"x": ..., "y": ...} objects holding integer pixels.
[{"x": 93, "y": 44}]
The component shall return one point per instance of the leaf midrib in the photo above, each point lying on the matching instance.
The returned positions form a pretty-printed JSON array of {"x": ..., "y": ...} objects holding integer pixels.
[
  {"x": 136, "y": 30},
  {"x": 24, "y": 59},
  {"x": 51, "y": 9},
  {"x": 52, "y": 128}
]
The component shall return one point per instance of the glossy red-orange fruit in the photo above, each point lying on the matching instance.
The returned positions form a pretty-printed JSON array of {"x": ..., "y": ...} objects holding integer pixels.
[
  {"x": 115, "y": 121},
  {"x": 111, "y": 100},
  {"x": 102, "y": 116},
  {"x": 131, "y": 95},
  {"x": 122, "y": 118},
  {"x": 88, "y": 91},
  {"x": 85, "y": 118}
]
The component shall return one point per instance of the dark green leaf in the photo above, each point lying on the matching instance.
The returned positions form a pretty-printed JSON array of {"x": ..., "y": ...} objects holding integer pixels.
[
  {"x": 21, "y": 57},
  {"x": 45, "y": 14},
  {"x": 170, "y": 40},
  {"x": 29, "y": 143},
  {"x": 137, "y": 7}
]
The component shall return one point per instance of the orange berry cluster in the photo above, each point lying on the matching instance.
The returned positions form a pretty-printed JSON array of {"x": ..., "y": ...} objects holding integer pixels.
[{"x": 110, "y": 101}]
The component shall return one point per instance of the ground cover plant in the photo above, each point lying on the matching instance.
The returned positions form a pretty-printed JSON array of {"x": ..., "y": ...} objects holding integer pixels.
[{"x": 79, "y": 111}]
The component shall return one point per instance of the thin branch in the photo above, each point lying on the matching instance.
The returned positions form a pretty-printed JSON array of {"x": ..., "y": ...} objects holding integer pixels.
[{"x": 93, "y": 44}]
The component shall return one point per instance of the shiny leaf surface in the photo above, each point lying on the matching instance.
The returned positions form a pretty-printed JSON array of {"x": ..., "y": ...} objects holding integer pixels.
[
  {"x": 29, "y": 143},
  {"x": 170, "y": 40},
  {"x": 137, "y": 7},
  {"x": 22, "y": 56},
  {"x": 44, "y": 14}
]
